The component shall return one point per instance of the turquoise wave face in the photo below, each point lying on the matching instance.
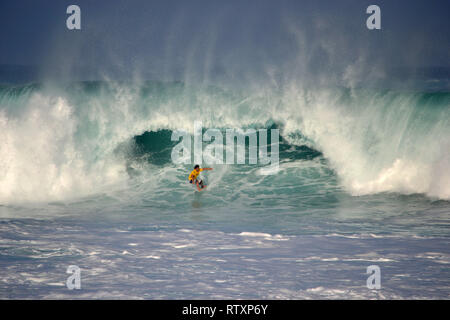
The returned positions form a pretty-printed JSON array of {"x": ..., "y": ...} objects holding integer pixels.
[{"x": 156, "y": 147}]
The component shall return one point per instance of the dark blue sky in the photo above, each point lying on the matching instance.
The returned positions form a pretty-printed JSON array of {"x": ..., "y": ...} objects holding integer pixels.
[{"x": 166, "y": 39}]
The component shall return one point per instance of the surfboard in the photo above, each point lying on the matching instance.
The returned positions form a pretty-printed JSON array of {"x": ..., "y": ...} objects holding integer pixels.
[{"x": 200, "y": 188}]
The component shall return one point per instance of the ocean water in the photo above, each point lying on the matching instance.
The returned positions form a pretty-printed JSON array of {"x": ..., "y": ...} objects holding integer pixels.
[{"x": 87, "y": 179}]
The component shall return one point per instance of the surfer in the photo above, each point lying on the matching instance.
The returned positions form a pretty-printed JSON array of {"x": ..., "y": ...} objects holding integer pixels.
[{"x": 194, "y": 174}]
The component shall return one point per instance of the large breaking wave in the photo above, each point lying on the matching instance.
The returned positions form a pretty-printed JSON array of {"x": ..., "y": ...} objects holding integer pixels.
[{"x": 68, "y": 141}]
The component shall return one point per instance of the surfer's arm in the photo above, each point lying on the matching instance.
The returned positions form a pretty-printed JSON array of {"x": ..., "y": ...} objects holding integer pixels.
[{"x": 206, "y": 169}]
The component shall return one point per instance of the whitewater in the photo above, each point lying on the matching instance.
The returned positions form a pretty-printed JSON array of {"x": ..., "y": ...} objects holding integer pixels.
[{"x": 86, "y": 178}]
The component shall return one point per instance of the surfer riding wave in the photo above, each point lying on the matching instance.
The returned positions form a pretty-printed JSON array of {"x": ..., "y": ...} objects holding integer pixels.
[{"x": 194, "y": 174}]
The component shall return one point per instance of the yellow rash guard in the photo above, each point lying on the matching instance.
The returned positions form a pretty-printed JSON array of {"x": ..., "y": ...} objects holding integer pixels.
[{"x": 194, "y": 174}]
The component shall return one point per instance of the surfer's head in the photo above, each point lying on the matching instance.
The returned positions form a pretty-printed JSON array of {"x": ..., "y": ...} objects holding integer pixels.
[{"x": 197, "y": 167}]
